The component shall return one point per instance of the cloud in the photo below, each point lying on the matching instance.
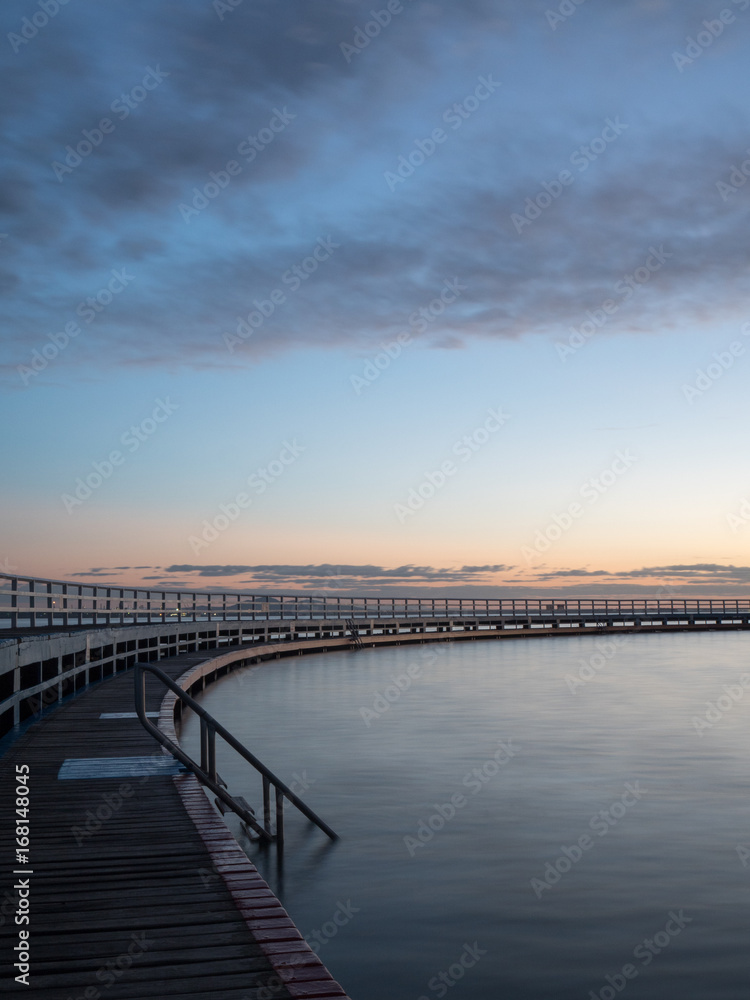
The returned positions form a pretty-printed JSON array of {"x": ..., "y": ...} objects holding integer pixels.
[
  {"x": 692, "y": 574},
  {"x": 222, "y": 80},
  {"x": 340, "y": 574},
  {"x": 99, "y": 570},
  {"x": 467, "y": 580},
  {"x": 679, "y": 580}
]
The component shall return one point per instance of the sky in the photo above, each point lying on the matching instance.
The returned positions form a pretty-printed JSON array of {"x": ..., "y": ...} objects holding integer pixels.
[{"x": 414, "y": 297}]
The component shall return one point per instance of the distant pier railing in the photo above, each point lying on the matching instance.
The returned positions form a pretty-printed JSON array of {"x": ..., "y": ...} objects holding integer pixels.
[
  {"x": 31, "y": 602},
  {"x": 57, "y": 637}
]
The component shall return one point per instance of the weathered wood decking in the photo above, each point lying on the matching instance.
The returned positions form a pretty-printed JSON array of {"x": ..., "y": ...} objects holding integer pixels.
[{"x": 132, "y": 896}]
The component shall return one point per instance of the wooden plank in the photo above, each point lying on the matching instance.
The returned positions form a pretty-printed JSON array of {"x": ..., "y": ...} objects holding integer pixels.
[{"x": 161, "y": 864}]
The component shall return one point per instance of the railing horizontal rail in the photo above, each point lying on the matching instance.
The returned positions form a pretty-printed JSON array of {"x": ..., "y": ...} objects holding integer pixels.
[
  {"x": 206, "y": 771},
  {"x": 31, "y": 601}
]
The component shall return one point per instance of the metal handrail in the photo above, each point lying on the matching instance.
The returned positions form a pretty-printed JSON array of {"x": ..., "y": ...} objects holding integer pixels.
[
  {"x": 205, "y": 772},
  {"x": 35, "y": 600}
]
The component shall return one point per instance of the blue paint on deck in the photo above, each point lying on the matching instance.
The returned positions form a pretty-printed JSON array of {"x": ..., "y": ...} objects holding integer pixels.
[
  {"x": 77, "y": 769},
  {"x": 127, "y": 715}
]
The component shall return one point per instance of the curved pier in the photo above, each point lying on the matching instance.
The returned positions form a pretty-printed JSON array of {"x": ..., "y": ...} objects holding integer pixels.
[
  {"x": 137, "y": 888},
  {"x": 57, "y": 637}
]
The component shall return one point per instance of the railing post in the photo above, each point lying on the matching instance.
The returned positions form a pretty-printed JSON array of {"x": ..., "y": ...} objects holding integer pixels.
[
  {"x": 211, "y": 753},
  {"x": 140, "y": 692},
  {"x": 204, "y": 745},
  {"x": 279, "y": 820},
  {"x": 267, "y": 804}
]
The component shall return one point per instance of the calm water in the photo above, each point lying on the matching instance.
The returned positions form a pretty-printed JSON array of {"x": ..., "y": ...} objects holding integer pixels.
[{"x": 607, "y": 795}]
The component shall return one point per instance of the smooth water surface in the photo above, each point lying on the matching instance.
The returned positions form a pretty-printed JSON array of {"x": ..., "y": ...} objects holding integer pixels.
[{"x": 551, "y": 825}]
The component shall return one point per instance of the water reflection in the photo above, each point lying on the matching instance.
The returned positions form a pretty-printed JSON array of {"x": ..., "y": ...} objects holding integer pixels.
[{"x": 613, "y": 768}]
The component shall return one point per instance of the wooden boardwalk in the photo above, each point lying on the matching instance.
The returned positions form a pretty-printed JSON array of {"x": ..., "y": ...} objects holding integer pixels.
[{"x": 132, "y": 895}]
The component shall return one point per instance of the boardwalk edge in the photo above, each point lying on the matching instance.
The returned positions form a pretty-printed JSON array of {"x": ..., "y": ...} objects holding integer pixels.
[{"x": 292, "y": 959}]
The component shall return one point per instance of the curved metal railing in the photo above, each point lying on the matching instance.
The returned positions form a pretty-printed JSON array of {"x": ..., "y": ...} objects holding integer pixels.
[
  {"x": 34, "y": 602},
  {"x": 206, "y": 773}
]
